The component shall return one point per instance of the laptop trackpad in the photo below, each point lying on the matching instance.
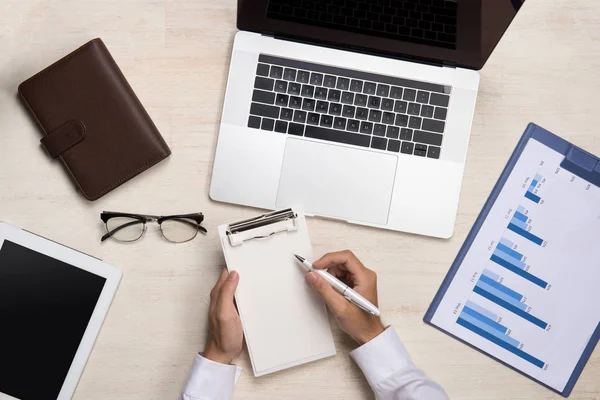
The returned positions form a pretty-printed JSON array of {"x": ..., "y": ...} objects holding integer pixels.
[{"x": 336, "y": 181}]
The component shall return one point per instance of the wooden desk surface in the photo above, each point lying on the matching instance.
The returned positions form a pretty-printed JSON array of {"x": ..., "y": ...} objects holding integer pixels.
[{"x": 175, "y": 54}]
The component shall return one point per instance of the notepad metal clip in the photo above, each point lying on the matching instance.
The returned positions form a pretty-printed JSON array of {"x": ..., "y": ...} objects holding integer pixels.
[{"x": 262, "y": 227}]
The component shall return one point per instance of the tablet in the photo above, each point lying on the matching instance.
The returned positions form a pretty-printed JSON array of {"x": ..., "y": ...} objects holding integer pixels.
[
  {"x": 524, "y": 286},
  {"x": 53, "y": 301}
]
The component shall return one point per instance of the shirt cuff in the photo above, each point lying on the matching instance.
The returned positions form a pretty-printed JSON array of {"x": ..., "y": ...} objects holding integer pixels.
[
  {"x": 382, "y": 356},
  {"x": 212, "y": 380}
]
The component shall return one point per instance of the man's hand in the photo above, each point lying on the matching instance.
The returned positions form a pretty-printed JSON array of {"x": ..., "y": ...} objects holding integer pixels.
[
  {"x": 226, "y": 337},
  {"x": 361, "y": 326}
]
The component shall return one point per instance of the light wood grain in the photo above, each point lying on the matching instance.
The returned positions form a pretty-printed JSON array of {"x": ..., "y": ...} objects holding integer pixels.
[{"x": 175, "y": 54}]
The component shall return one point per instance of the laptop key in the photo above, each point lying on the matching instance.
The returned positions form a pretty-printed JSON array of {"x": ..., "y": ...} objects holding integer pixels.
[
  {"x": 313, "y": 118},
  {"x": 267, "y": 124},
  {"x": 400, "y": 106},
  {"x": 335, "y": 109},
  {"x": 356, "y": 86},
  {"x": 263, "y": 97},
  {"x": 334, "y": 95},
  {"x": 388, "y": 118},
  {"x": 264, "y": 83},
  {"x": 322, "y": 106},
  {"x": 433, "y": 152},
  {"x": 414, "y": 123},
  {"x": 369, "y": 88},
  {"x": 295, "y": 102},
  {"x": 289, "y": 74},
  {"x": 433, "y": 125},
  {"x": 379, "y": 143},
  {"x": 362, "y": 113},
  {"x": 347, "y": 97},
  {"x": 406, "y": 134},
  {"x": 295, "y": 129},
  {"x": 409, "y": 94},
  {"x": 394, "y": 145},
  {"x": 387, "y": 104},
  {"x": 379, "y": 130},
  {"x": 286, "y": 114},
  {"x": 366, "y": 127},
  {"x": 294, "y": 88},
  {"x": 428, "y": 138},
  {"x": 353, "y": 125},
  {"x": 326, "y": 121},
  {"x": 401, "y": 120},
  {"x": 281, "y": 126},
  {"x": 383, "y": 90},
  {"x": 329, "y": 81},
  {"x": 440, "y": 113},
  {"x": 375, "y": 116},
  {"x": 282, "y": 100},
  {"x": 300, "y": 116},
  {"x": 422, "y": 97},
  {"x": 407, "y": 148},
  {"x": 348, "y": 111},
  {"x": 316, "y": 79},
  {"x": 374, "y": 102},
  {"x": 337, "y": 136},
  {"x": 262, "y": 69},
  {"x": 303, "y": 76},
  {"x": 254, "y": 122},
  {"x": 264, "y": 110},
  {"x": 343, "y": 83},
  {"x": 360, "y": 100},
  {"x": 276, "y": 72},
  {"x": 420, "y": 150},
  {"x": 321, "y": 93},
  {"x": 396, "y": 92},
  {"x": 308, "y": 105},
  {"x": 339, "y": 123},
  {"x": 414, "y": 109},
  {"x": 439, "y": 99},
  {"x": 307, "y": 91},
  {"x": 393, "y": 132},
  {"x": 281, "y": 86},
  {"x": 427, "y": 111}
]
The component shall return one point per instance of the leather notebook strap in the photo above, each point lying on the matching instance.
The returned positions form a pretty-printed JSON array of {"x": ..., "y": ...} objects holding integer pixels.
[{"x": 63, "y": 138}]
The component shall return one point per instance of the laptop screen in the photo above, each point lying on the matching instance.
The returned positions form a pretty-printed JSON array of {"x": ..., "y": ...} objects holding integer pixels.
[{"x": 456, "y": 32}]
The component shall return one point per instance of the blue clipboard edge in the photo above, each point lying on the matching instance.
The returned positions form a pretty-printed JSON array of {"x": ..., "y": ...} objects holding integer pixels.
[{"x": 562, "y": 146}]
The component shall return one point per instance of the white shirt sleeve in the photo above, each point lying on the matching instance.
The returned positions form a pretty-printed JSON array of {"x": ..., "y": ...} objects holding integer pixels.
[
  {"x": 391, "y": 373},
  {"x": 209, "y": 380}
]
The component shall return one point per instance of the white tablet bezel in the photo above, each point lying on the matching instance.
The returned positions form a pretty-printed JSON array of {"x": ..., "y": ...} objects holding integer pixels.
[{"x": 86, "y": 263}]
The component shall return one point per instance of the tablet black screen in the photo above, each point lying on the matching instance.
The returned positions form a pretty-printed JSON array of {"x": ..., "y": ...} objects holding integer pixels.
[{"x": 45, "y": 307}]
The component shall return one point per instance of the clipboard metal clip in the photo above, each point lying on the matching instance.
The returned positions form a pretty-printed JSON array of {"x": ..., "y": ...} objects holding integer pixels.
[{"x": 262, "y": 227}]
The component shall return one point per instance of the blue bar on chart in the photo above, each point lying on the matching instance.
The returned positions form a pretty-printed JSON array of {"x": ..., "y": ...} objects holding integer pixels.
[
  {"x": 519, "y": 223},
  {"x": 521, "y": 216},
  {"x": 492, "y": 275},
  {"x": 493, "y": 328},
  {"x": 512, "y": 267},
  {"x": 509, "y": 250},
  {"x": 533, "y": 197},
  {"x": 522, "y": 210},
  {"x": 502, "y": 343},
  {"x": 507, "y": 242},
  {"x": 481, "y": 310},
  {"x": 523, "y": 232},
  {"x": 509, "y": 258},
  {"x": 502, "y": 291},
  {"x": 492, "y": 296}
]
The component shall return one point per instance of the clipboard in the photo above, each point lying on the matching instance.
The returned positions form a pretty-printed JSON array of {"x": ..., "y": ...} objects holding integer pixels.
[
  {"x": 521, "y": 238},
  {"x": 285, "y": 322}
]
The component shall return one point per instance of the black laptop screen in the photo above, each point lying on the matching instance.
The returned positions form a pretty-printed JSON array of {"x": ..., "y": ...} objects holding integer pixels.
[{"x": 462, "y": 32}]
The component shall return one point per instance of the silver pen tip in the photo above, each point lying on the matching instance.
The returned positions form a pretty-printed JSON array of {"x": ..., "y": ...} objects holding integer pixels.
[{"x": 299, "y": 258}]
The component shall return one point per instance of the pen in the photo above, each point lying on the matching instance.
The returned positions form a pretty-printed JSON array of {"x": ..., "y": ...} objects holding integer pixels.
[{"x": 351, "y": 295}]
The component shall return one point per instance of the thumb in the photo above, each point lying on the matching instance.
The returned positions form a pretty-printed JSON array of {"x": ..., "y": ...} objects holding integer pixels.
[
  {"x": 334, "y": 300},
  {"x": 228, "y": 288}
]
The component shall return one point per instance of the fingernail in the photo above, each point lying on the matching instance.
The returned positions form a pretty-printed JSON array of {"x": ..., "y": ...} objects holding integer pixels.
[
  {"x": 233, "y": 276},
  {"x": 312, "y": 277}
]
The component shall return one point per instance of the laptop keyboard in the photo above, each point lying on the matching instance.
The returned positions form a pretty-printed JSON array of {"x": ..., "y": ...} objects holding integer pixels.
[
  {"x": 350, "y": 107},
  {"x": 430, "y": 22}
]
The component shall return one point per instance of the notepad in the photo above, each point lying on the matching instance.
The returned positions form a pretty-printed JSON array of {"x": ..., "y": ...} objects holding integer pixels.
[{"x": 285, "y": 322}]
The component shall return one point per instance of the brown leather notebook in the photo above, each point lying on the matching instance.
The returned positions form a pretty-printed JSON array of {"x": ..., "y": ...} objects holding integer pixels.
[{"x": 92, "y": 120}]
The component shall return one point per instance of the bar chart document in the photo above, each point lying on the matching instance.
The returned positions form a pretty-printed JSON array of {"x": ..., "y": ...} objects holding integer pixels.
[{"x": 525, "y": 287}]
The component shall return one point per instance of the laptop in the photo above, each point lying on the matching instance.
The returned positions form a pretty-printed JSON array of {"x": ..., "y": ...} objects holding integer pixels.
[{"x": 355, "y": 110}]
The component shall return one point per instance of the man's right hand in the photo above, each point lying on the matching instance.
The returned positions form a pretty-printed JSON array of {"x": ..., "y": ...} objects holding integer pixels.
[{"x": 361, "y": 326}]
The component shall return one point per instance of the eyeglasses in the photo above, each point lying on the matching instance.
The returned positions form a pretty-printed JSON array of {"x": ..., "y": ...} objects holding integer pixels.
[{"x": 131, "y": 227}]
